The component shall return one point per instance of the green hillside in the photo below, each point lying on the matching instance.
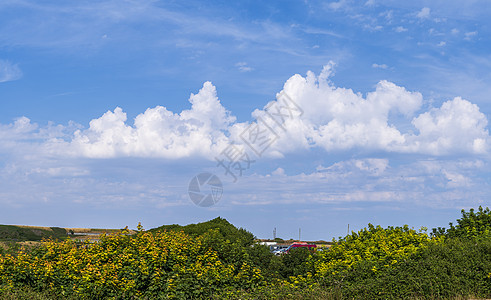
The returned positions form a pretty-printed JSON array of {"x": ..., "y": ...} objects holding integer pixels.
[
  {"x": 226, "y": 230},
  {"x": 30, "y": 233}
]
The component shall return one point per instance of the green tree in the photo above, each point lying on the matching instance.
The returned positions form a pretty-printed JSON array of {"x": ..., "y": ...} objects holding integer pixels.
[
  {"x": 472, "y": 224},
  {"x": 298, "y": 261}
]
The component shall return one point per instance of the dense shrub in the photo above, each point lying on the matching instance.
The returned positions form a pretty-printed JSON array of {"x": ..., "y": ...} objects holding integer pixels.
[
  {"x": 170, "y": 264},
  {"x": 299, "y": 261},
  {"x": 375, "y": 246},
  {"x": 226, "y": 230},
  {"x": 453, "y": 269},
  {"x": 470, "y": 225},
  {"x": 217, "y": 260},
  {"x": 399, "y": 262}
]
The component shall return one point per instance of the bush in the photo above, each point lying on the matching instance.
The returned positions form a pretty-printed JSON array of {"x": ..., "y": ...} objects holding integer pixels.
[
  {"x": 375, "y": 246},
  {"x": 471, "y": 225},
  {"x": 450, "y": 270},
  {"x": 299, "y": 261},
  {"x": 226, "y": 230},
  {"x": 164, "y": 264},
  {"x": 260, "y": 257},
  {"x": 217, "y": 260}
]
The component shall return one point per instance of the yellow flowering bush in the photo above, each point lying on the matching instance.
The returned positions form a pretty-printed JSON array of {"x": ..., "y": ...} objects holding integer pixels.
[
  {"x": 222, "y": 262},
  {"x": 162, "y": 264},
  {"x": 376, "y": 245}
]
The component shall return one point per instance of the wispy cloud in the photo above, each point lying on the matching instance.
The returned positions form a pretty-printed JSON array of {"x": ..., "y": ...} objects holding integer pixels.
[
  {"x": 243, "y": 67},
  {"x": 61, "y": 24},
  {"x": 337, "y": 4},
  {"x": 370, "y": 27},
  {"x": 470, "y": 35},
  {"x": 400, "y": 29},
  {"x": 380, "y": 66},
  {"x": 424, "y": 13},
  {"x": 9, "y": 71},
  {"x": 444, "y": 183},
  {"x": 313, "y": 30}
]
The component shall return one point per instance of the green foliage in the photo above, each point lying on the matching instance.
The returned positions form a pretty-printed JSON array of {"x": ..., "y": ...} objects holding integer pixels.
[
  {"x": 225, "y": 229},
  {"x": 456, "y": 268},
  {"x": 400, "y": 263},
  {"x": 261, "y": 257},
  {"x": 216, "y": 260},
  {"x": 299, "y": 261},
  {"x": 151, "y": 265},
  {"x": 376, "y": 246},
  {"x": 472, "y": 224}
]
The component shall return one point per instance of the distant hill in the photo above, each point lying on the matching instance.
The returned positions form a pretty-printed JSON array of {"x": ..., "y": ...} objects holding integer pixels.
[
  {"x": 30, "y": 233},
  {"x": 21, "y": 233},
  {"x": 225, "y": 229}
]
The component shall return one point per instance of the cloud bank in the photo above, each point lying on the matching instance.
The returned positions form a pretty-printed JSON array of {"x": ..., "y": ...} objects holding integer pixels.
[
  {"x": 427, "y": 182},
  {"x": 388, "y": 119},
  {"x": 339, "y": 119},
  {"x": 447, "y": 165}
]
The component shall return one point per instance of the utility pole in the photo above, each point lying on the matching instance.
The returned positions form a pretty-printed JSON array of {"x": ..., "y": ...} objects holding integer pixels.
[
  {"x": 299, "y": 234},
  {"x": 348, "y": 229},
  {"x": 274, "y": 233}
]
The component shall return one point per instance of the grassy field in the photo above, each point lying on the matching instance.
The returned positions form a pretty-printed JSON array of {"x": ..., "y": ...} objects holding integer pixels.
[{"x": 30, "y": 233}]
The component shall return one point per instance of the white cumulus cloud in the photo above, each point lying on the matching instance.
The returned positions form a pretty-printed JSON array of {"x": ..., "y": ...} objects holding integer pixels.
[
  {"x": 457, "y": 126},
  {"x": 158, "y": 132},
  {"x": 388, "y": 119},
  {"x": 339, "y": 119}
]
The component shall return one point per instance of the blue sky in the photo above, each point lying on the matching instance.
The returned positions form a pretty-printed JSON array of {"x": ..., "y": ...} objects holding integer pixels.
[{"x": 109, "y": 108}]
